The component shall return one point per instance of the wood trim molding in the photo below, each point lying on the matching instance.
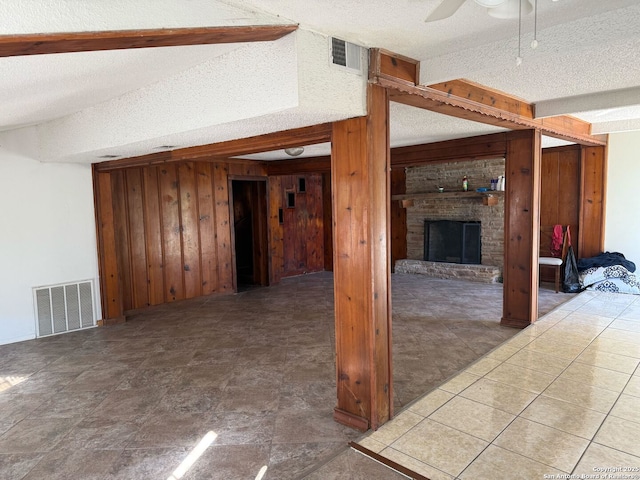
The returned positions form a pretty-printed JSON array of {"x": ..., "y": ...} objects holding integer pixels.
[
  {"x": 223, "y": 150},
  {"x": 383, "y": 63},
  {"x": 486, "y": 96},
  {"x": 389, "y": 463},
  {"x": 299, "y": 165},
  {"x": 45, "y": 43},
  {"x": 350, "y": 420},
  {"x": 478, "y": 106},
  {"x": 470, "y": 148},
  {"x": 106, "y": 322}
]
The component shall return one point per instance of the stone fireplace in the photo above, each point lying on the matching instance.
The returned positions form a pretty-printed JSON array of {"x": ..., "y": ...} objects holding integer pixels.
[{"x": 454, "y": 205}]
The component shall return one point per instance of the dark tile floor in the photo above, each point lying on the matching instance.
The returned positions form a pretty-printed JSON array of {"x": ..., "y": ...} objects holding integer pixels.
[{"x": 257, "y": 368}]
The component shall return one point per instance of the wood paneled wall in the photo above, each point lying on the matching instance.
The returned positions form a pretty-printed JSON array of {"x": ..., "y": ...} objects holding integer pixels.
[
  {"x": 297, "y": 242},
  {"x": 593, "y": 193},
  {"x": 559, "y": 197},
  {"x": 164, "y": 232},
  {"x": 560, "y": 188},
  {"x": 398, "y": 217},
  {"x": 572, "y": 193},
  {"x": 328, "y": 221}
]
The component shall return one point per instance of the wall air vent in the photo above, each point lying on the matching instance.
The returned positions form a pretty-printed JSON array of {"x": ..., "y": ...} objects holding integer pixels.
[
  {"x": 347, "y": 55},
  {"x": 63, "y": 308}
]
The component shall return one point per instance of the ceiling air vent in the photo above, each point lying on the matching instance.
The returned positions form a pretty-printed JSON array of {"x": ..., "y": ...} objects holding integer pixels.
[{"x": 347, "y": 55}]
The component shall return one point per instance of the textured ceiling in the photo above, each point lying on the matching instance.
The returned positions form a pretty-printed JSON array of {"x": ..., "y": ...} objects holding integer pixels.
[
  {"x": 39, "y": 88},
  {"x": 587, "y": 49}
]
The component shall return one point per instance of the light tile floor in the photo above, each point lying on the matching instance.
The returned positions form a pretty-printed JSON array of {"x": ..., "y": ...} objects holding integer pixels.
[{"x": 562, "y": 397}]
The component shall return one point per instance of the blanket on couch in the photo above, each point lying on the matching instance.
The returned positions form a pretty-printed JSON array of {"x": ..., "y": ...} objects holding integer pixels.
[{"x": 614, "y": 278}]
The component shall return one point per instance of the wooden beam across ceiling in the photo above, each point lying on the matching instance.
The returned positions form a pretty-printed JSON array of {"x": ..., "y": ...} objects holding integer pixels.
[
  {"x": 564, "y": 127},
  {"x": 471, "y": 101},
  {"x": 232, "y": 148},
  {"x": 45, "y": 43},
  {"x": 486, "y": 96},
  {"x": 509, "y": 103}
]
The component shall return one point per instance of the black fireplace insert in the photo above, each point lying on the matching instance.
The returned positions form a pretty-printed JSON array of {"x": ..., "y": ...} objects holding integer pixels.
[{"x": 452, "y": 241}]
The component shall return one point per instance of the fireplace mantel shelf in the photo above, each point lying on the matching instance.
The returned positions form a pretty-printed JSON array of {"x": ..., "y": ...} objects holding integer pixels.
[{"x": 406, "y": 200}]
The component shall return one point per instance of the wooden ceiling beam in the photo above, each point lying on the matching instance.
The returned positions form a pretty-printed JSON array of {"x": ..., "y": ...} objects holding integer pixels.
[
  {"x": 486, "y": 96},
  {"x": 45, "y": 43},
  {"x": 495, "y": 98},
  {"x": 232, "y": 148},
  {"x": 299, "y": 165},
  {"x": 493, "y": 145},
  {"x": 470, "y": 101},
  {"x": 565, "y": 127}
]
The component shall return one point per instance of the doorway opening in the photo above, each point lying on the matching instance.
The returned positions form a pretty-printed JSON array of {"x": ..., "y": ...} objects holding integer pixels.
[{"x": 250, "y": 233}]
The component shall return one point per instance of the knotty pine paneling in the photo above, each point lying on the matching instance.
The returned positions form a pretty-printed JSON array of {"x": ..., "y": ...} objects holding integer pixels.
[
  {"x": 593, "y": 188},
  {"x": 122, "y": 246},
  {"x": 315, "y": 223},
  {"x": 398, "y": 217},
  {"x": 276, "y": 230},
  {"x": 207, "y": 228},
  {"x": 223, "y": 227},
  {"x": 136, "y": 227},
  {"x": 559, "y": 198},
  {"x": 153, "y": 236},
  {"x": 328, "y": 222},
  {"x": 189, "y": 230},
  {"x": 164, "y": 233},
  {"x": 171, "y": 238}
]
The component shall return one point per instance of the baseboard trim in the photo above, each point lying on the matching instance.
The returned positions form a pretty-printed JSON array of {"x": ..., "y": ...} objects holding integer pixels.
[{"x": 350, "y": 420}]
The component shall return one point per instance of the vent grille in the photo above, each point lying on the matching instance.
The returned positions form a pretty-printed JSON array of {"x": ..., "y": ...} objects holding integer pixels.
[
  {"x": 64, "y": 308},
  {"x": 345, "y": 54}
]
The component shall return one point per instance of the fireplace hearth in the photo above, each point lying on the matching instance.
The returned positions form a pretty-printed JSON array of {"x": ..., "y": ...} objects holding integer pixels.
[{"x": 452, "y": 241}]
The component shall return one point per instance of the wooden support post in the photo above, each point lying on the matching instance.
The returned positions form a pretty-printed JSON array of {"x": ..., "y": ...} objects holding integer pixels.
[
  {"x": 521, "y": 229},
  {"x": 360, "y": 165}
]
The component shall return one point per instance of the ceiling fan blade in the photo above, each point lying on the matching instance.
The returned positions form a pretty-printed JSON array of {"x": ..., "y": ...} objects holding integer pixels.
[{"x": 444, "y": 10}]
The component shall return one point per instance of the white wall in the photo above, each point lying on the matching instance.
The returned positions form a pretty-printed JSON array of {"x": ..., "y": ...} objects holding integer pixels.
[
  {"x": 47, "y": 236},
  {"x": 622, "y": 223}
]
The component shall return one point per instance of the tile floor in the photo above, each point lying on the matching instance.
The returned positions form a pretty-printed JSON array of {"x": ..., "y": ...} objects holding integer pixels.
[
  {"x": 560, "y": 398},
  {"x": 132, "y": 401}
]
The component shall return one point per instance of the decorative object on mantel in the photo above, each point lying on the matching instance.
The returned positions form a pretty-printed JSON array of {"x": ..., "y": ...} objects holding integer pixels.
[
  {"x": 490, "y": 200},
  {"x": 440, "y": 189}
]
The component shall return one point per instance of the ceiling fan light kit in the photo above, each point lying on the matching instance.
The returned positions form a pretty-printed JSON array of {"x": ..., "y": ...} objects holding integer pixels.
[
  {"x": 495, "y": 8},
  {"x": 490, "y": 3},
  {"x": 503, "y": 9},
  {"x": 511, "y": 9}
]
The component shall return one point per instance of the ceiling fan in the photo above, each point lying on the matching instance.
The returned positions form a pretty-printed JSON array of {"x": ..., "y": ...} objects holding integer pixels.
[{"x": 495, "y": 8}]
